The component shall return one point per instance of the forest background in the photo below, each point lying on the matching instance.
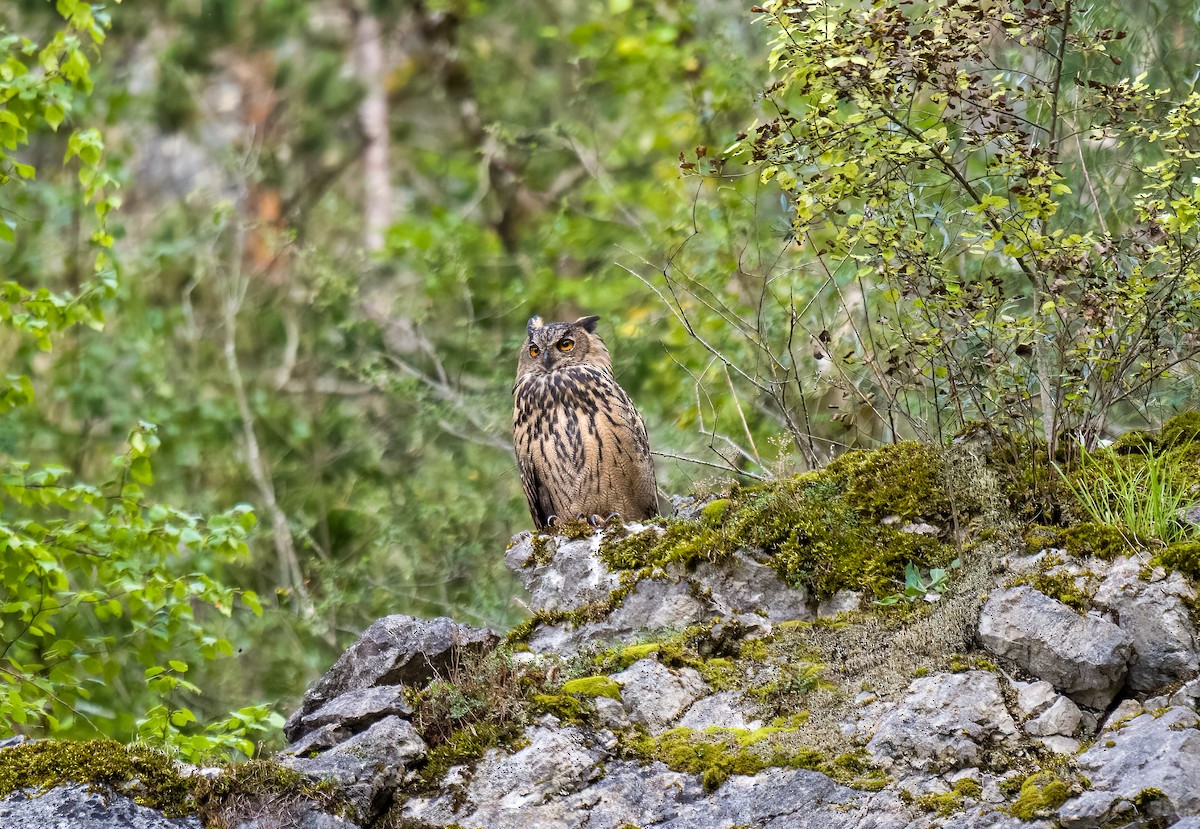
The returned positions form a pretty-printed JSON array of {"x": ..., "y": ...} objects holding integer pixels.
[{"x": 280, "y": 278}]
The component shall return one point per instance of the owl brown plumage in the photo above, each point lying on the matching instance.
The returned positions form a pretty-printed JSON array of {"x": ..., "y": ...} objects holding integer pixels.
[{"x": 581, "y": 445}]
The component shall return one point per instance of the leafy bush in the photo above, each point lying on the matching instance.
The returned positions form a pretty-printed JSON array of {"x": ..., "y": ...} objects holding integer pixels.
[{"x": 105, "y": 594}]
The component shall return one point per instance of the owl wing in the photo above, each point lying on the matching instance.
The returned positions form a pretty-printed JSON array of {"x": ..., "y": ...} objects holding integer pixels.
[
  {"x": 540, "y": 507},
  {"x": 633, "y": 453}
]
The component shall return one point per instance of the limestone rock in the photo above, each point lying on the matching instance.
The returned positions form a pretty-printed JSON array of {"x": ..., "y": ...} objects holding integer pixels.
[
  {"x": 359, "y": 706},
  {"x": 657, "y": 604},
  {"x": 395, "y": 650},
  {"x": 1146, "y": 752},
  {"x": 1084, "y": 657},
  {"x": 944, "y": 722},
  {"x": 631, "y": 795},
  {"x": 655, "y": 695},
  {"x": 1034, "y": 697},
  {"x": 727, "y": 709},
  {"x": 741, "y": 585},
  {"x": 574, "y": 574},
  {"x": 843, "y": 601},
  {"x": 1187, "y": 695},
  {"x": 74, "y": 807},
  {"x": 368, "y": 766},
  {"x": 1061, "y": 719},
  {"x": 526, "y": 788},
  {"x": 1155, "y": 615}
]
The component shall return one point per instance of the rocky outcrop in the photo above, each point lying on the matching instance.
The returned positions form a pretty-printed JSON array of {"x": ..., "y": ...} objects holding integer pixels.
[
  {"x": 1084, "y": 657},
  {"x": 1152, "y": 608},
  {"x": 944, "y": 723},
  {"x": 710, "y": 693},
  {"x": 393, "y": 652},
  {"x": 77, "y": 807}
]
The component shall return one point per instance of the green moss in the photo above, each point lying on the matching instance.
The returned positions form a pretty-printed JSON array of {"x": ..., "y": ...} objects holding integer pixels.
[
  {"x": 258, "y": 788},
  {"x": 714, "y": 511},
  {"x": 593, "y": 686},
  {"x": 1180, "y": 431},
  {"x": 950, "y": 802},
  {"x": 1040, "y": 795},
  {"x": 629, "y": 654},
  {"x": 568, "y": 708},
  {"x": 143, "y": 774},
  {"x": 1060, "y": 585},
  {"x": 1183, "y": 556},
  {"x": 822, "y": 528},
  {"x": 464, "y": 746},
  {"x": 1147, "y": 796},
  {"x": 543, "y": 550},
  {"x": 574, "y": 530},
  {"x": 716, "y": 754},
  {"x": 903, "y": 480},
  {"x": 1088, "y": 539}
]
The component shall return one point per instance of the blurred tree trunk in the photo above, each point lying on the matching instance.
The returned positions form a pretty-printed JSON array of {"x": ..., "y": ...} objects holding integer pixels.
[{"x": 370, "y": 65}]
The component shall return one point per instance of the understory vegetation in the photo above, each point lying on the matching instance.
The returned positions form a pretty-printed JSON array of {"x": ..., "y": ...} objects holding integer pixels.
[{"x": 264, "y": 268}]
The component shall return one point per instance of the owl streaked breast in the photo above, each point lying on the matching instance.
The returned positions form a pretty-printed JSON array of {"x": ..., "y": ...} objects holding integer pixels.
[{"x": 581, "y": 446}]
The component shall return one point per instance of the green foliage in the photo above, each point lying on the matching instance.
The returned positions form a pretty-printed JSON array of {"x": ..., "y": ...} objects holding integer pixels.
[
  {"x": 918, "y": 586},
  {"x": 961, "y": 248},
  {"x": 1141, "y": 495},
  {"x": 107, "y": 595}
]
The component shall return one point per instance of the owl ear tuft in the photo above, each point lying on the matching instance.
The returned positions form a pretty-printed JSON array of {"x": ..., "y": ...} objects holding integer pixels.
[
  {"x": 535, "y": 322},
  {"x": 588, "y": 323}
]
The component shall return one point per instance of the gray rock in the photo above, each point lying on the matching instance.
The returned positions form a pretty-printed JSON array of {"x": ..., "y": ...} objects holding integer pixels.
[
  {"x": 1061, "y": 719},
  {"x": 368, "y": 766},
  {"x": 1090, "y": 810},
  {"x": 1034, "y": 697},
  {"x": 1059, "y": 744},
  {"x": 1188, "y": 695},
  {"x": 655, "y": 695},
  {"x": 945, "y": 722},
  {"x": 1084, "y": 657},
  {"x": 727, "y": 709},
  {"x": 1145, "y": 752},
  {"x": 574, "y": 575},
  {"x": 983, "y": 817},
  {"x": 655, "y": 604},
  {"x": 319, "y": 739},
  {"x": 395, "y": 650},
  {"x": 1155, "y": 615},
  {"x": 843, "y": 601},
  {"x": 790, "y": 799},
  {"x": 740, "y": 584},
  {"x": 74, "y": 807},
  {"x": 364, "y": 705},
  {"x": 528, "y": 788}
]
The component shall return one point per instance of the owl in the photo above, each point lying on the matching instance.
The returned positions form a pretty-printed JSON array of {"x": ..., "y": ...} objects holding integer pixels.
[{"x": 581, "y": 445}]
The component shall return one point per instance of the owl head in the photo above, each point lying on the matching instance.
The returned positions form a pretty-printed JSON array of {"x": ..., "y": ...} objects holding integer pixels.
[{"x": 556, "y": 345}]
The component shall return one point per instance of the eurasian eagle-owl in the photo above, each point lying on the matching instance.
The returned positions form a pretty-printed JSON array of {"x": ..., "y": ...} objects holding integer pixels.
[{"x": 581, "y": 445}]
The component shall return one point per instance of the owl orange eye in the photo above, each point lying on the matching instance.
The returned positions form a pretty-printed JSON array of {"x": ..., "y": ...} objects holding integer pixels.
[
  {"x": 566, "y": 345},
  {"x": 534, "y": 351}
]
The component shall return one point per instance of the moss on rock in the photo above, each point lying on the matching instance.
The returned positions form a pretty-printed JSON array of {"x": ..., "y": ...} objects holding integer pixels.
[
  {"x": 715, "y": 754},
  {"x": 263, "y": 790},
  {"x": 823, "y": 528},
  {"x": 1041, "y": 794},
  {"x": 145, "y": 775}
]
